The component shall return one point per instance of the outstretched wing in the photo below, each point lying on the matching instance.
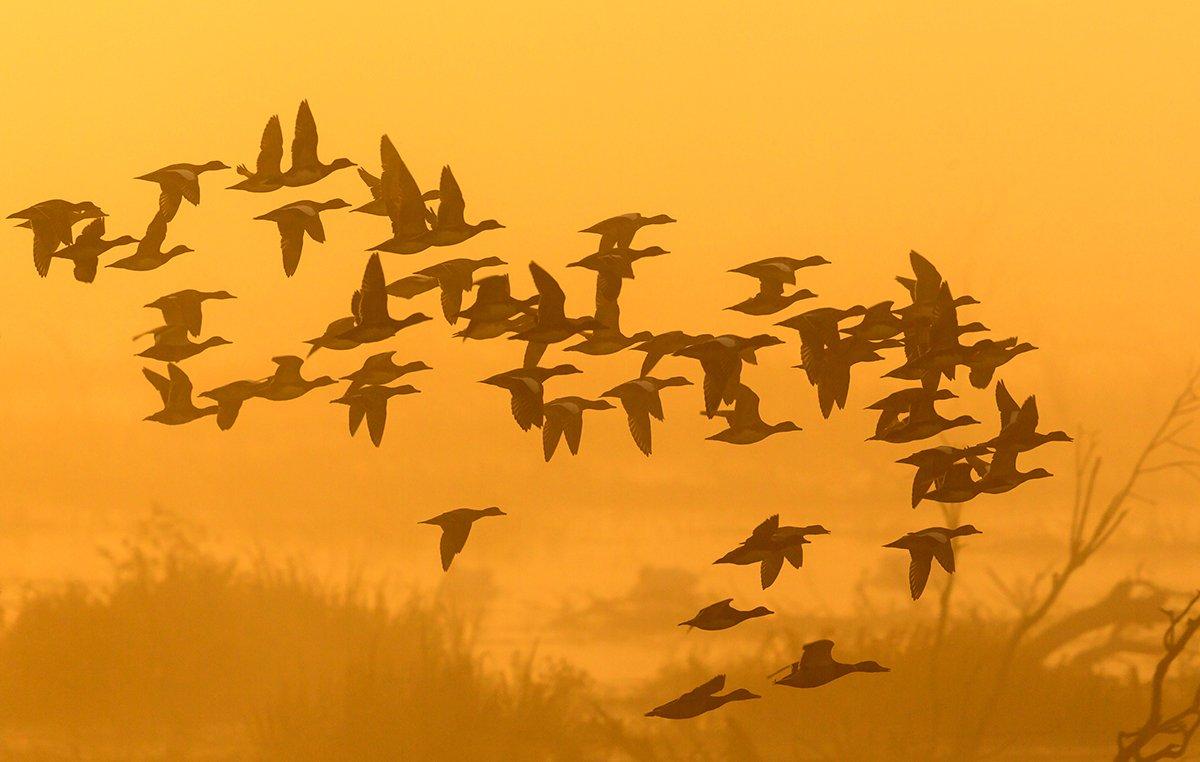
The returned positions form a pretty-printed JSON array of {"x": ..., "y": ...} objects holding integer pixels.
[
  {"x": 918, "y": 570},
  {"x": 270, "y": 148},
  {"x": 304, "y": 144},
  {"x": 451, "y": 207},
  {"x": 454, "y": 538}
]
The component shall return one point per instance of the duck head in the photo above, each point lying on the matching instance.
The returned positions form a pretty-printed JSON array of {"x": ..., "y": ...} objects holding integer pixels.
[
  {"x": 322, "y": 381},
  {"x": 489, "y": 225},
  {"x": 414, "y": 366},
  {"x": 1037, "y": 473},
  {"x": 815, "y": 529},
  {"x": 490, "y": 262},
  {"x": 759, "y": 611},
  {"x": 653, "y": 251},
  {"x": 641, "y": 336},
  {"x": 963, "y": 420},
  {"x": 870, "y": 666},
  {"x": 416, "y": 317},
  {"x": 741, "y": 694},
  {"x": 217, "y": 295},
  {"x": 785, "y": 426},
  {"x": 492, "y": 511},
  {"x": 123, "y": 240},
  {"x": 563, "y": 370},
  {"x": 214, "y": 341},
  {"x": 675, "y": 381},
  {"x": 967, "y": 529},
  {"x": 402, "y": 389},
  {"x": 335, "y": 203},
  {"x": 209, "y": 166},
  {"x": 88, "y": 209},
  {"x": 973, "y": 327},
  {"x": 176, "y": 251},
  {"x": 814, "y": 261},
  {"x": 599, "y": 404},
  {"x": 659, "y": 219},
  {"x": 341, "y": 164}
]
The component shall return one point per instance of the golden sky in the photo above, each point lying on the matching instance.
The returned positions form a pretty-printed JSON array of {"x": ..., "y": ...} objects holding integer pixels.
[{"x": 1044, "y": 156}]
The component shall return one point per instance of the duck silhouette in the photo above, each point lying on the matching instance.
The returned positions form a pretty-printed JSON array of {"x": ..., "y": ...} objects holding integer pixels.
[
  {"x": 1018, "y": 424},
  {"x": 985, "y": 356},
  {"x": 371, "y": 402},
  {"x": 149, "y": 254},
  {"x": 171, "y": 344},
  {"x": 769, "y": 545},
  {"x": 296, "y": 219},
  {"x": 490, "y": 329},
  {"x": 494, "y": 301},
  {"x": 563, "y": 418},
  {"x": 744, "y": 424},
  {"x": 267, "y": 175},
  {"x": 403, "y": 204},
  {"x": 613, "y": 266},
  {"x": 186, "y": 307},
  {"x": 818, "y": 667},
  {"x": 779, "y": 269},
  {"x": 1000, "y": 474},
  {"x": 931, "y": 337},
  {"x": 454, "y": 277},
  {"x": 879, "y": 322},
  {"x": 606, "y": 338},
  {"x": 377, "y": 207},
  {"x": 721, "y": 360},
  {"x": 287, "y": 382},
  {"x": 456, "y": 527},
  {"x": 86, "y": 250},
  {"x": 51, "y": 222},
  {"x": 770, "y": 299},
  {"x": 909, "y": 415},
  {"x": 699, "y": 700},
  {"x": 306, "y": 168},
  {"x": 617, "y": 232},
  {"x": 722, "y": 615},
  {"x": 179, "y": 181},
  {"x": 641, "y": 398},
  {"x": 333, "y": 337},
  {"x": 451, "y": 228},
  {"x": 956, "y": 484},
  {"x": 372, "y": 321},
  {"x": 230, "y": 398},
  {"x": 526, "y": 385},
  {"x": 667, "y": 343},
  {"x": 827, "y": 361},
  {"x": 933, "y": 464},
  {"x": 380, "y": 369},
  {"x": 175, "y": 389},
  {"x": 552, "y": 325},
  {"x": 772, "y": 273},
  {"x": 926, "y": 545}
]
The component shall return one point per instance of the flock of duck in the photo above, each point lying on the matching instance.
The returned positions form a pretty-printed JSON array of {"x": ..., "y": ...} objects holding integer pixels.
[{"x": 832, "y": 341}]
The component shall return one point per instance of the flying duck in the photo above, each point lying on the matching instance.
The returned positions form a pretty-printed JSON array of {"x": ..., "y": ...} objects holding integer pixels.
[
  {"x": 371, "y": 402},
  {"x": 778, "y": 269},
  {"x": 333, "y": 337},
  {"x": 770, "y": 299},
  {"x": 177, "y": 182},
  {"x": 85, "y": 252},
  {"x": 617, "y": 232},
  {"x": 699, "y": 700},
  {"x": 744, "y": 424},
  {"x": 382, "y": 369},
  {"x": 171, "y": 344},
  {"x": 607, "y": 338},
  {"x": 185, "y": 307},
  {"x": 772, "y": 274},
  {"x": 663, "y": 344},
  {"x": 933, "y": 464},
  {"x": 926, "y": 545},
  {"x": 451, "y": 228},
  {"x": 287, "y": 383},
  {"x": 878, "y": 322},
  {"x": 456, "y": 527},
  {"x": 909, "y": 415},
  {"x": 176, "y": 392},
  {"x": 454, "y": 277},
  {"x": 1018, "y": 424},
  {"x": 377, "y": 207},
  {"x": 403, "y": 203},
  {"x": 267, "y": 175},
  {"x": 769, "y": 545},
  {"x": 51, "y": 222},
  {"x": 985, "y": 356},
  {"x": 552, "y": 325},
  {"x": 494, "y": 301},
  {"x": 526, "y": 385},
  {"x": 822, "y": 322},
  {"x": 296, "y": 219},
  {"x": 721, "y": 360},
  {"x": 614, "y": 266},
  {"x": 827, "y": 362},
  {"x": 818, "y": 667},
  {"x": 372, "y": 321},
  {"x": 149, "y": 254},
  {"x": 563, "y": 418},
  {"x": 641, "y": 399},
  {"x": 955, "y": 485},
  {"x": 230, "y": 398},
  {"x": 306, "y": 168},
  {"x": 722, "y": 615}
]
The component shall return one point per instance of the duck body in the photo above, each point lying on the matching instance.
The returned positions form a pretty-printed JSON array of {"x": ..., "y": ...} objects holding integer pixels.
[
  {"x": 925, "y": 546},
  {"x": 668, "y": 343},
  {"x": 372, "y": 321},
  {"x": 703, "y": 698},
  {"x": 526, "y": 385},
  {"x": 618, "y": 231},
  {"x": 171, "y": 344},
  {"x": 769, "y": 545},
  {"x": 175, "y": 389},
  {"x": 456, "y": 527},
  {"x": 185, "y": 307},
  {"x": 230, "y": 398},
  {"x": 563, "y": 419},
  {"x": 382, "y": 369},
  {"x": 295, "y": 220},
  {"x": 371, "y": 403},
  {"x": 722, "y": 615},
  {"x": 177, "y": 182},
  {"x": 778, "y": 269},
  {"x": 87, "y": 249},
  {"x": 287, "y": 383},
  {"x": 641, "y": 400},
  {"x": 52, "y": 222},
  {"x": 817, "y": 667}
]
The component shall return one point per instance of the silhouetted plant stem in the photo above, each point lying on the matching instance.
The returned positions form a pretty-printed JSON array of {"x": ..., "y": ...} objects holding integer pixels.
[
  {"x": 1131, "y": 746},
  {"x": 1085, "y": 539}
]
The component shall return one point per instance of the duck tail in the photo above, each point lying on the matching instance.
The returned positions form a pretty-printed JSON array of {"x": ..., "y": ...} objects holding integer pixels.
[{"x": 241, "y": 170}]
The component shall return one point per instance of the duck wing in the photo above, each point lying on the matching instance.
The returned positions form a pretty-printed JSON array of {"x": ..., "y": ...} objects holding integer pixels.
[
  {"x": 552, "y": 430},
  {"x": 313, "y": 226},
  {"x": 451, "y": 207},
  {"x": 745, "y": 408},
  {"x": 270, "y": 149},
  {"x": 638, "y": 418},
  {"x": 156, "y": 232},
  {"x": 943, "y": 551},
  {"x": 705, "y": 689},
  {"x": 719, "y": 372},
  {"x": 291, "y": 241},
  {"x": 372, "y": 182},
  {"x": 376, "y": 410},
  {"x": 304, "y": 143},
  {"x": 45, "y": 243},
  {"x": 85, "y": 268},
  {"x": 181, "y": 387},
  {"x": 454, "y": 538},
  {"x": 358, "y": 409},
  {"x": 161, "y": 383},
  {"x": 372, "y": 305},
  {"x": 794, "y": 555},
  {"x": 526, "y": 405},
  {"x": 401, "y": 196},
  {"x": 551, "y": 299},
  {"x": 920, "y": 559},
  {"x": 768, "y": 569}
]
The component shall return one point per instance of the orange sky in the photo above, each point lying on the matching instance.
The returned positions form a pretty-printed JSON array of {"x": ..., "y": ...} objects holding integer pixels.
[{"x": 1044, "y": 158}]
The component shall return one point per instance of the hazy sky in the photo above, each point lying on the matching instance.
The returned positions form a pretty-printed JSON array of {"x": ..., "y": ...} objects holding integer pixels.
[{"x": 1044, "y": 157}]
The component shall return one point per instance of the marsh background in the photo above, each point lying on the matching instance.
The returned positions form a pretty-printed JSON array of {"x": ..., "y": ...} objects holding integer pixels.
[{"x": 176, "y": 592}]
